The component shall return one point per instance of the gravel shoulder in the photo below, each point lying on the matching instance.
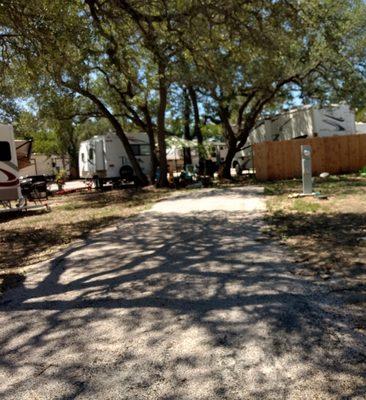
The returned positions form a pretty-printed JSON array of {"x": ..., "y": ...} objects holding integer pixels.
[{"x": 180, "y": 302}]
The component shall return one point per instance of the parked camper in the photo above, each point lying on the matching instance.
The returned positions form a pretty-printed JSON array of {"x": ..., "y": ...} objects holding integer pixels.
[
  {"x": 307, "y": 121},
  {"x": 104, "y": 159},
  {"x": 312, "y": 122},
  {"x": 9, "y": 174},
  {"x": 215, "y": 153}
]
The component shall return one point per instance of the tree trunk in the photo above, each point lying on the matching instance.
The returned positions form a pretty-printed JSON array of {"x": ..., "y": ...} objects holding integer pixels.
[
  {"x": 225, "y": 167},
  {"x": 163, "y": 93},
  {"x": 134, "y": 163},
  {"x": 197, "y": 128},
  {"x": 74, "y": 161},
  {"x": 150, "y": 133},
  {"x": 187, "y": 131},
  {"x": 187, "y": 156}
]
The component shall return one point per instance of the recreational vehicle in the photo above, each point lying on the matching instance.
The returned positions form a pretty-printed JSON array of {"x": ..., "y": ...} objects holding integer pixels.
[
  {"x": 312, "y": 122},
  {"x": 14, "y": 154},
  {"x": 308, "y": 121},
  {"x": 9, "y": 174},
  {"x": 214, "y": 151},
  {"x": 104, "y": 158}
]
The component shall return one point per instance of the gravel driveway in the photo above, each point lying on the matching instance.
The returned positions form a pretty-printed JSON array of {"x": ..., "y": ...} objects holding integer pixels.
[{"x": 186, "y": 301}]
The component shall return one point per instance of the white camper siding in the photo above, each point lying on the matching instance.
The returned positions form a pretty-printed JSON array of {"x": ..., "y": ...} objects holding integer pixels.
[
  {"x": 9, "y": 175},
  {"x": 100, "y": 156},
  {"x": 115, "y": 155},
  {"x": 141, "y": 148},
  {"x": 83, "y": 160},
  {"x": 261, "y": 133},
  {"x": 40, "y": 164},
  {"x": 87, "y": 159},
  {"x": 334, "y": 121},
  {"x": 360, "y": 127},
  {"x": 292, "y": 124}
]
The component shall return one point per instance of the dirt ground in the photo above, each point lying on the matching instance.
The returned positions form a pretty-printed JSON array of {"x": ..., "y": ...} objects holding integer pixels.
[
  {"x": 326, "y": 237},
  {"x": 31, "y": 237},
  {"x": 179, "y": 304}
]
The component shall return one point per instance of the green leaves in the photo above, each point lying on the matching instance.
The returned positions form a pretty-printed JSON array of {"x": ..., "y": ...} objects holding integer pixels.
[{"x": 244, "y": 58}]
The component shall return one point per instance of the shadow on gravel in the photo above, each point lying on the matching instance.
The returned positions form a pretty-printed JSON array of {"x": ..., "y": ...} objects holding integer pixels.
[{"x": 193, "y": 302}]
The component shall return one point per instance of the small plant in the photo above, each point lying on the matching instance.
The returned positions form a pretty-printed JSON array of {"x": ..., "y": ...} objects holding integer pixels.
[
  {"x": 61, "y": 178},
  {"x": 363, "y": 171}
]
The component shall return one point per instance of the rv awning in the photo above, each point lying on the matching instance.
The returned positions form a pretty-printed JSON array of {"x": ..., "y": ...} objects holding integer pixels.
[{"x": 24, "y": 151}]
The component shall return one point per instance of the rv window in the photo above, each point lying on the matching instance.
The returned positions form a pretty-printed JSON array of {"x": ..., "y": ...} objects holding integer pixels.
[
  {"x": 91, "y": 154},
  {"x": 140, "y": 149},
  {"x": 135, "y": 149},
  {"x": 144, "y": 150},
  {"x": 82, "y": 157},
  {"x": 5, "y": 153}
]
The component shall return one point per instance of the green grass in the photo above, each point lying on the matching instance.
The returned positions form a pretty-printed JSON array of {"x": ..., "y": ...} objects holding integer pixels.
[
  {"x": 303, "y": 206},
  {"x": 333, "y": 185}
]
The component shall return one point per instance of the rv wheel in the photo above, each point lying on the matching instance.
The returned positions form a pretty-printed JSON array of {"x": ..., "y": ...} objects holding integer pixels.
[{"x": 126, "y": 173}]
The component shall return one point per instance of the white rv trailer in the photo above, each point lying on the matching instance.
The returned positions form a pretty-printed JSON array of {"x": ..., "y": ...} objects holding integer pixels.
[
  {"x": 9, "y": 174},
  {"x": 14, "y": 154},
  {"x": 307, "y": 121},
  {"x": 214, "y": 150},
  {"x": 310, "y": 121},
  {"x": 103, "y": 158}
]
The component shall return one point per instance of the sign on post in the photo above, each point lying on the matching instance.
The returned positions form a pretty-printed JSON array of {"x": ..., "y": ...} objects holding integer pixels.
[{"x": 307, "y": 183}]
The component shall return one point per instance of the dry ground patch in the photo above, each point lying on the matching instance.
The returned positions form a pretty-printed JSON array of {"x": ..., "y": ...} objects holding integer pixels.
[
  {"x": 28, "y": 238},
  {"x": 326, "y": 237}
]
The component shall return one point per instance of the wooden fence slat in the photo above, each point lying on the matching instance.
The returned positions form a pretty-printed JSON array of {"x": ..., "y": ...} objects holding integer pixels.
[
  {"x": 362, "y": 150},
  {"x": 336, "y": 154}
]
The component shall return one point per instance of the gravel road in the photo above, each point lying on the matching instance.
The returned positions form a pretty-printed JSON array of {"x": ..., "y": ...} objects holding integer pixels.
[{"x": 185, "y": 301}]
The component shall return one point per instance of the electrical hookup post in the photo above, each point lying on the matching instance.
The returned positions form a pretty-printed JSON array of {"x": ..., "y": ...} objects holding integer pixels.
[{"x": 307, "y": 183}]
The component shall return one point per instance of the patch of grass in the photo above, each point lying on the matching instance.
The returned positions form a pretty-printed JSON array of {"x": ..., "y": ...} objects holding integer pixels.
[
  {"x": 333, "y": 185},
  {"x": 276, "y": 188},
  {"x": 363, "y": 171},
  {"x": 303, "y": 206}
]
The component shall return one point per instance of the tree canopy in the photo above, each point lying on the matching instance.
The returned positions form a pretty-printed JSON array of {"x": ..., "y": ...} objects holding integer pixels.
[{"x": 174, "y": 67}]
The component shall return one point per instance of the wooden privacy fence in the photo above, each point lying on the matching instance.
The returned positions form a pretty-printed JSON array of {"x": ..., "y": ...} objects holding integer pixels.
[{"x": 336, "y": 155}]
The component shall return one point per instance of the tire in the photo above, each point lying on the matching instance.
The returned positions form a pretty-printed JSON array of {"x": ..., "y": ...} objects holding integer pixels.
[{"x": 126, "y": 173}]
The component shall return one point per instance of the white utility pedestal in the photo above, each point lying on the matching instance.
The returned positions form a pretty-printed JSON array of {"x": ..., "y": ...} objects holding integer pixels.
[{"x": 307, "y": 183}]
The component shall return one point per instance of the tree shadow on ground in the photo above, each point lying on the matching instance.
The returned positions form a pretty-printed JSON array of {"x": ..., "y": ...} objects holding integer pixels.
[
  {"x": 20, "y": 245},
  {"x": 177, "y": 307},
  {"x": 330, "y": 247}
]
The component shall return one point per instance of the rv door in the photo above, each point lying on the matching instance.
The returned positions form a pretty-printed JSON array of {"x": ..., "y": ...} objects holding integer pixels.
[{"x": 99, "y": 156}]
